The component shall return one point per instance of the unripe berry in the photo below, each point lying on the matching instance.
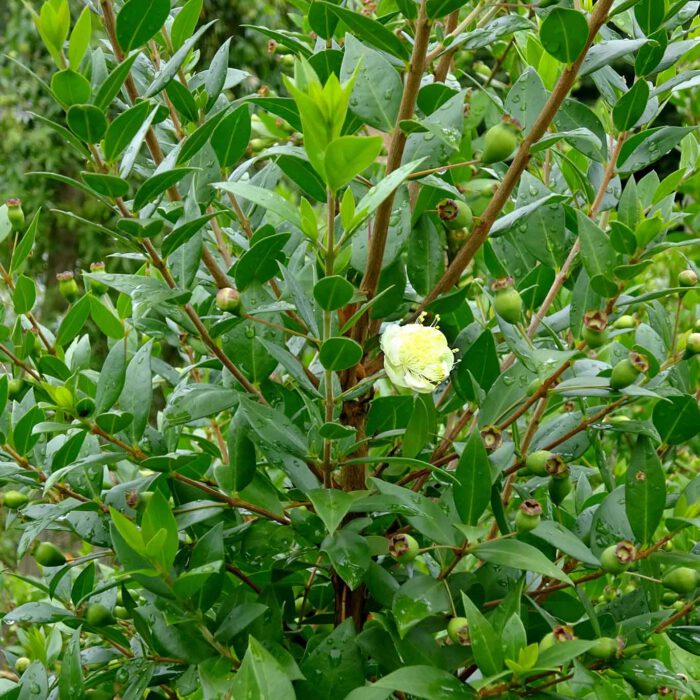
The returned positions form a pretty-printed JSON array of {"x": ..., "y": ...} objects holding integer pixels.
[
  {"x": 692, "y": 345},
  {"x": 687, "y": 278},
  {"x": 48, "y": 554},
  {"x": 499, "y": 143},
  {"x": 98, "y": 615},
  {"x": 14, "y": 387},
  {"x": 535, "y": 462},
  {"x": 97, "y": 268},
  {"x": 594, "y": 328},
  {"x": 403, "y": 548},
  {"x": 624, "y": 322},
  {"x": 121, "y": 613},
  {"x": 12, "y": 500},
  {"x": 626, "y": 371},
  {"x": 559, "y": 489},
  {"x": 507, "y": 301},
  {"x": 682, "y": 580},
  {"x": 15, "y": 213},
  {"x": 528, "y": 516},
  {"x": 605, "y": 648},
  {"x": 617, "y": 558},
  {"x": 22, "y": 664},
  {"x": 458, "y": 631},
  {"x": 455, "y": 214},
  {"x": 228, "y": 299},
  {"x": 67, "y": 285}
]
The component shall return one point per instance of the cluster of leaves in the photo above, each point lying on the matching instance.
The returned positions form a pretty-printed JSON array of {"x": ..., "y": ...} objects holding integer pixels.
[{"x": 261, "y": 513}]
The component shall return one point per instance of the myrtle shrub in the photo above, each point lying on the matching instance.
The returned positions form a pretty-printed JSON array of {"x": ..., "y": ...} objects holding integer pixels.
[{"x": 386, "y": 384}]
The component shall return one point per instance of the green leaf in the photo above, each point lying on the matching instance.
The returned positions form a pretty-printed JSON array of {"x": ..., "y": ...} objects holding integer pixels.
[
  {"x": 231, "y": 136},
  {"x": 260, "y": 262},
  {"x": 25, "y": 245},
  {"x": 631, "y": 106},
  {"x": 79, "y": 39},
  {"x": 265, "y": 198},
  {"x": 105, "y": 319},
  {"x": 216, "y": 75},
  {"x": 439, "y": 8},
  {"x": 332, "y": 505},
  {"x": 558, "y": 536},
  {"x": 426, "y": 259},
  {"x": 70, "y": 682},
  {"x": 185, "y": 22},
  {"x": 157, "y": 184},
  {"x": 113, "y": 82},
  {"x": 473, "y": 494},
  {"x": 182, "y": 100},
  {"x": 348, "y": 156},
  {"x": 349, "y": 554},
  {"x": 111, "y": 381},
  {"x": 606, "y": 52},
  {"x": 132, "y": 150},
  {"x": 564, "y": 34},
  {"x": 597, "y": 253},
  {"x": 73, "y": 321},
  {"x": 677, "y": 419},
  {"x": 198, "y": 138},
  {"x": 340, "y": 353},
  {"x": 261, "y": 676},
  {"x": 333, "y": 292},
  {"x": 645, "y": 490},
  {"x": 180, "y": 235},
  {"x": 137, "y": 394},
  {"x": 322, "y": 20},
  {"x": 87, "y": 122},
  {"x": 649, "y": 15},
  {"x": 420, "y": 597},
  {"x": 371, "y": 31},
  {"x": 519, "y": 555},
  {"x": 123, "y": 129},
  {"x": 192, "y": 402},
  {"x": 274, "y": 429},
  {"x": 648, "y": 146},
  {"x": 425, "y": 682},
  {"x": 108, "y": 185},
  {"x": 485, "y": 643},
  {"x": 140, "y": 20},
  {"x": 610, "y": 524},
  {"x": 70, "y": 87},
  {"x": 24, "y": 295},
  {"x": 156, "y": 518}
]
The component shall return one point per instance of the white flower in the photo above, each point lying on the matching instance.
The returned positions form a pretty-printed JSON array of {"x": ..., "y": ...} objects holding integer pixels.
[{"x": 416, "y": 357}]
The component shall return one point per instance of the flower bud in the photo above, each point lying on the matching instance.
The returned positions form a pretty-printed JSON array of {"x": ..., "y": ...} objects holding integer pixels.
[
  {"x": 687, "y": 278},
  {"x": 97, "y": 268},
  {"x": 507, "y": 302},
  {"x": 617, "y": 558},
  {"x": 228, "y": 299},
  {"x": 455, "y": 213},
  {"x": 67, "y": 285},
  {"x": 403, "y": 548},
  {"x": 416, "y": 357},
  {"x": 594, "y": 325},
  {"x": 15, "y": 213},
  {"x": 528, "y": 516},
  {"x": 458, "y": 631},
  {"x": 626, "y": 371}
]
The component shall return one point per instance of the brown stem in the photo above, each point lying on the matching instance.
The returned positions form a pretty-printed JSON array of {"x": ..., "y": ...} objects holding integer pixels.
[
  {"x": 20, "y": 363},
  {"x": 520, "y": 162},
  {"x": 243, "y": 577},
  {"x": 443, "y": 66}
]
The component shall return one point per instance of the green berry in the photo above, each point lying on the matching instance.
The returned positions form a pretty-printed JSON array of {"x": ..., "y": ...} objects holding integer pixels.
[
  {"x": 14, "y": 499},
  {"x": 14, "y": 387},
  {"x": 594, "y": 328},
  {"x": 528, "y": 516},
  {"x": 626, "y": 371},
  {"x": 67, "y": 285},
  {"x": 458, "y": 631},
  {"x": 507, "y": 302},
  {"x": 687, "y": 278},
  {"x": 499, "y": 143},
  {"x": 624, "y": 322},
  {"x": 96, "y": 287},
  {"x": 22, "y": 663},
  {"x": 617, "y": 558},
  {"x": 682, "y": 580},
  {"x": 121, "y": 613},
  {"x": 559, "y": 489},
  {"x": 98, "y": 615},
  {"x": 604, "y": 648},
  {"x": 228, "y": 299},
  {"x": 692, "y": 345},
  {"x": 403, "y": 548},
  {"x": 48, "y": 554},
  {"x": 15, "y": 213},
  {"x": 455, "y": 214},
  {"x": 535, "y": 462}
]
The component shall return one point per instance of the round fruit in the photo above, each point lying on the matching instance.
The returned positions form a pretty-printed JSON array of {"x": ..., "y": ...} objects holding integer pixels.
[
  {"x": 617, "y": 558},
  {"x": 67, "y": 285},
  {"x": 624, "y": 322},
  {"x": 499, "y": 143},
  {"x": 228, "y": 299},
  {"x": 682, "y": 580},
  {"x": 14, "y": 387},
  {"x": 14, "y": 499},
  {"x": 121, "y": 613},
  {"x": 528, "y": 516},
  {"x": 535, "y": 462},
  {"x": 692, "y": 345},
  {"x": 458, "y": 631},
  {"x": 48, "y": 554},
  {"x": 507, "y": 301},
  {"x": 626, "y": 371},
  {"x": 594, "y": 328},
  {"x": 559, "y": 489},
  {"x": 403, "y": 548},
  {"x": 687, "y": 278},
  {"x": 22, "y": 663},
  {"x": 15, "y": 213},
  {"x": 604, "y": 648},
  {"x": 98, "y": 615},
  {"x": 97, "y": 268},
  {"x": 455, "y": 213}
]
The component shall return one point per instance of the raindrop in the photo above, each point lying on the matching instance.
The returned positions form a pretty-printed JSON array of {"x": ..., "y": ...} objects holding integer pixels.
[
  {"x": 516, "y": 99},
  {"x": 429, "y": 136},
  {"x": 533, "y": 190}
]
